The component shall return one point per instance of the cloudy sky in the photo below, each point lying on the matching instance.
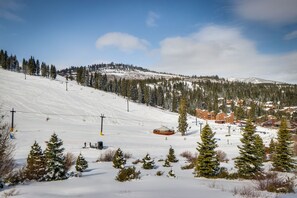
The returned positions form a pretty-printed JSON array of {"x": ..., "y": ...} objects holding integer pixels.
[{"x": 229, "y": 38}]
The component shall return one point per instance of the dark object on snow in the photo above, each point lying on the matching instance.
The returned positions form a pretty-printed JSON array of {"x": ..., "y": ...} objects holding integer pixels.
[{"x": 100, "y": 145}]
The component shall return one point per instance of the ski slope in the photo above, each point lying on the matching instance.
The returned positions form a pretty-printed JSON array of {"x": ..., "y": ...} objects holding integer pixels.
[{"x": 43, "y": 106}]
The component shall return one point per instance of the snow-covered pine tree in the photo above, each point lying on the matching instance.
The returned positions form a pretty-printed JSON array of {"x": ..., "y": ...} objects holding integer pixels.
[
  {"x": 182, "y": 118},
  {"x": 55, "y": 165},
  {"x": 119, "y": 160},
  {"x": 171, "y": 156},
  {"x": 35, "y": 169},
  {"x": 272, "y": 146},
  {"x": 207, "y": 164},
  {"x": 283, "y": 160},
  {"x": 248, "y": 162},
  {"x": 81, "y": 163},
  {"x": 171, "y": 174},
  {"x": 166, "y": 163},
  {"x": 148, "y": 162}
]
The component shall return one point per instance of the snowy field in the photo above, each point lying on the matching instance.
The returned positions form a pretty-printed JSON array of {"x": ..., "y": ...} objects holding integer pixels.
[{"x": 43, "y": 106}]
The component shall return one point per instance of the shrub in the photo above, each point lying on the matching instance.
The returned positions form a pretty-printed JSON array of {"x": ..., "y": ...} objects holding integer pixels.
[
  {"x": 127, "y": 174},
  {"x": 127, "y": 155},
  {"x": 69, "y": 160},
  {"x": 11, "y": 193},
  {"x": 189, "y": 156},
  {"x": 107, "y": 156},
  {"x": 247, "y": 192},
  {"x": 294, "y": 137},
  {"x": 15, "y": 177},
  {"x": 7, "y": 163},
  {"x": 159, "y": 173},
  {"x": 222, "y": 156},
  {"x": 271, "y": 182},
  {"x": 136, "y": 161},
  {"x": 188, "y": 166},
  {"x": 223, "y": 173}
]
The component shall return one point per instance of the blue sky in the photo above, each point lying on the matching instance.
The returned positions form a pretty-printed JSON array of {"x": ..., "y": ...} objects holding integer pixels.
[{"x": 229, "y": 38}]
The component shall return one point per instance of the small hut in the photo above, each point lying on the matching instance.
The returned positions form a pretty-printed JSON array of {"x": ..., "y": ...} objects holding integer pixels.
[{"x": 163, "y": 131}]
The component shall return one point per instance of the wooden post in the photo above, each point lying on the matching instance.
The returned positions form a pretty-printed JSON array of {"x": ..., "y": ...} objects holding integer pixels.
[{"x": 12, "y": 119}]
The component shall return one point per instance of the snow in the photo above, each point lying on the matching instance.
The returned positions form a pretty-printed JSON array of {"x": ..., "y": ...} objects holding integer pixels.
[{"x": 43, "y": 106}]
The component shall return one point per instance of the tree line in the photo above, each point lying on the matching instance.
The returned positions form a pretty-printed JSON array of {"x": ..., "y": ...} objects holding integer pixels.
[
  {"x": 209, "y": 93},
  {"x": 29, "y": 67}
]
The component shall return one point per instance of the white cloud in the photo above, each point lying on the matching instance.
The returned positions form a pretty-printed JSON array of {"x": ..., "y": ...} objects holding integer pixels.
[
  {"x": 271, "y": 11},
  {"x": 151, "y": 19},
  {"x": 123, "y": 41},
  {"x": 291, "y": 35},
  {"x": 8, "y": 9},
  {"x": 223, "y": 51}
]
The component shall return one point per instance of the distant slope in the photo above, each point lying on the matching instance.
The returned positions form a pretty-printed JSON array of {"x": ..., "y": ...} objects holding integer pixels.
[
  {"x": 254, "y": 80},
  {"x": 120, "y": 71}
]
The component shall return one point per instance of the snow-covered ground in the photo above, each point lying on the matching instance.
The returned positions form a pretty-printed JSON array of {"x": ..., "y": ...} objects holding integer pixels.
[{"x": 43, "y": 106}]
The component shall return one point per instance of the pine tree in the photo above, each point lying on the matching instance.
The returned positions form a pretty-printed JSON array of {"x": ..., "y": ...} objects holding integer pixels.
[
  {"x": 283, "y": 160},
  {"x": 171, "y": 174},
  {"x": 272, "y": 146},
  {"x": 171, "y": 156},
  {"x": 182, "y": 119},
  {"x": 81, "y": 163},
  {"x": 207, "y": 164},
  {"x": 119, "y": 160},
  {"x": 35, "y": 169},
  {"x": 166, "y": 163},
  {"x": 248, "y": 163},
  {"x": 55, "y": 165},
  {"x": 259, "y": 145},
  {"x": 148, "y": 162}
]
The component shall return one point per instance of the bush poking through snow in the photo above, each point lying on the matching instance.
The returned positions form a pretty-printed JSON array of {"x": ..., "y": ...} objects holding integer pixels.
[
  {"x": 127, "y": 174},
  {"x": 189, "y": 156},
  {"x": 171, "y": 174},
  {"x": 247, "y": 192},
  {"x": 81, "y": 163},
  {"x": 222, "y": 156},
  {"x": 159, "y": 173},
  {"x": 15, "y": 177},
  {"x": 69, "y": 161},
  {"x": 11, "y": 193},
  {"x": 271, "y": 182},
  {"x": 107, "y": 156}
]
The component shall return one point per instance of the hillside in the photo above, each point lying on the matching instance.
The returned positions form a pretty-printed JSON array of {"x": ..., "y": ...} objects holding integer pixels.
[{"x": 43, "y": 106}]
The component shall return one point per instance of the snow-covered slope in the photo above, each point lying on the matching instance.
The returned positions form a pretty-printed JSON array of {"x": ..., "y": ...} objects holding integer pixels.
[
  {"x": 254, "y": 80},
  {"x": 43, "y": 106}
]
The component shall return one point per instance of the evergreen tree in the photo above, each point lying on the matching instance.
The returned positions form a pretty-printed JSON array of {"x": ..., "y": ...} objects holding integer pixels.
[
  {"x": 272, "y": 146},
  {"x": 171, "y": 156},
  {"x": 171, "y": 174},
  {"x": 81, "y": 163},
  {"x": 119, "y": 160},
  {"x": 207, "y": 164},
  {"x": 248, "y": 162},
  {"x": 55, "y": 165},
  {"x": 283, "y": 160},
  {"x": 260, "y": 149},
  {"x": 182, "y": 119},
  {"x": 166, "y": 163},
  {"x": 35, "y": 169},
  {"x": 148, "y": 162}
]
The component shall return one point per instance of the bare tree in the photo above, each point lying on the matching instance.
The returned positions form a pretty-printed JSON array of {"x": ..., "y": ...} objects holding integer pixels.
[{"x": 6, "y": 150}]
